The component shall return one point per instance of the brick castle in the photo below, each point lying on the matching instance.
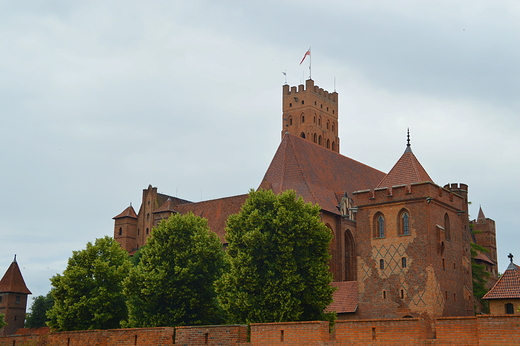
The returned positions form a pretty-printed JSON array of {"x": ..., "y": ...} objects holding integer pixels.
[{"x": 401, "y": 243}]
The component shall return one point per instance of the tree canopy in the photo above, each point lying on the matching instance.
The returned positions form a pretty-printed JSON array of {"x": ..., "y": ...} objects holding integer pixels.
[
  {"x": 2, "y": 321},
  {"x": 89, "y": 293},
  {"x": 172, "y": 284},
  {"x": 278, "y": 254},
  {"x": 38, "y": 315}
]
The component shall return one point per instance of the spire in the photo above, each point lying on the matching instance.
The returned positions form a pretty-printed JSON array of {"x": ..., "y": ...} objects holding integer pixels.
[
  {"x": 13, "y": 281},
  {"x": 481, "y": 215},
  {"x": 128, "y": 212},
  {"x": 408, "y": 146},
  {"x": 407, "y": 170}
]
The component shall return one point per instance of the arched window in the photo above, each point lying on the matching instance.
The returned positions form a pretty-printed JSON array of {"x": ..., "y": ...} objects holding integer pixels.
[
  {"x": 350, "y": 257},
  {"x": 302, "y": 135},
  {"x": 290, "y": 120},
  {"x": 319, "y": 121},
  {"x": 510, "y": 309},
  {"x": 314, "y": 119},
  {"x": 315, "y": 138},
  {"x": 333, "y": 127},
  {"x": 319, "y": 140},
  {"x": 379, "y": 226},
  {"x": 120, "y": 231},
  {"x": 328, "y": 124},
  {"x": 404, "y": 223},
  {"x": 447, "y": 230},
  {"x": 333, "y": 146},
  {"x": 328, "y": 143},
  {"x": 303, "y": 118}
]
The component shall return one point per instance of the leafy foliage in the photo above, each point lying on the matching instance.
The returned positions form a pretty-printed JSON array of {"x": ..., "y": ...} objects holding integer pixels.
[
  {"x": 89, "y": 294},
  {"x": 2, "y": 321},
  {"x": 37, "y": 317},
  {"x": 480, "y": 275},
  {"x": 278, "y": 253},
  {"x": 172, "y": 284}
]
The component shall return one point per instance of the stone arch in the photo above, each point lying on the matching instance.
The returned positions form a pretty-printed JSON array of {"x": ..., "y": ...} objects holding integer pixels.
[
  {"x": 302, "y": 135},
  {"x": 350, "y": 256}
]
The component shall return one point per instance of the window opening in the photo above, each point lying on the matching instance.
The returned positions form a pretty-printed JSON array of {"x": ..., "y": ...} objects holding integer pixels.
[
  {"x": 403, "y": 262},
  {"x": 509, "y": 308},
  {"x": 381, "y": 264}
]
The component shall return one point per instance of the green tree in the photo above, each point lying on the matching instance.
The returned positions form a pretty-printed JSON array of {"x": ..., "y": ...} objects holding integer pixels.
[
  {"x": 37, "y": 317},
  {"x": 2, "y": 321},
  {"x": 279, "y": 261},
  {"x": 89, "y": 294},
  {"x": 479, "y": 275},
  {"x": 172, "y": 284}
]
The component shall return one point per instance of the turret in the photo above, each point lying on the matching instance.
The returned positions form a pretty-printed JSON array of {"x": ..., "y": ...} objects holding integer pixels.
[
  {"x": 13, "y": 299},
  {"x": 311, "y": 113}
]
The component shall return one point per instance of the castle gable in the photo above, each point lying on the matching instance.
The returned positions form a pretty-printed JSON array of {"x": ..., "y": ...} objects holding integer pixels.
[
  {"x": 317, "y": 174},
  {"x": 508, "y": 286}
]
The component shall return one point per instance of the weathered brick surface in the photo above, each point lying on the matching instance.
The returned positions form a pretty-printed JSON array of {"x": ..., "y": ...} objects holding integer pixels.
[
  {"x": 211, "y": 335},
  {"x": 486, "y": 330}
]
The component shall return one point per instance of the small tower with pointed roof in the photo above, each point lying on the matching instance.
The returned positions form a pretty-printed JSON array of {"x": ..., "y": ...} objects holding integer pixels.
[
  {"x": 13, "y": 299},
  {"x": 413, "y": 246},
  {"x": 125, "y": 229},
  {"x": 485, "y": 235}
]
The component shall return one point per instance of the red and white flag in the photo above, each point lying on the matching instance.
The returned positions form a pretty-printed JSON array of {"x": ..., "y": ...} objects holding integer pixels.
[{"x": 308, "y": 52}]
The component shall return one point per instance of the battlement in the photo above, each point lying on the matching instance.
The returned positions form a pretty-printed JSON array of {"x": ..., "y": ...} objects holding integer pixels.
[
  {"x": 422, "y": 190},
  {"x": 309, "y": 86}
]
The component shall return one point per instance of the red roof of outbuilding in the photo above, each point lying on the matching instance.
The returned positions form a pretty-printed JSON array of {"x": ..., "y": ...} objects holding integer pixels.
[
  {"x": 508, "y": 286},
  {"x": 13, "y": 280},
  {"x": 345, "y": 297},
  {"x": 317, "y": 174},
  {"x": 406, "y": 171}
]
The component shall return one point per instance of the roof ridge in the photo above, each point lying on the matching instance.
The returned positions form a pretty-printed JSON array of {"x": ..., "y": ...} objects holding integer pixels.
[{"x": 302, "y": 172}]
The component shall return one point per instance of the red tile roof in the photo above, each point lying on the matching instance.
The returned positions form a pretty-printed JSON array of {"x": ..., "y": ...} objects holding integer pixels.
[
  {"x": 345, "y": 297},
  {"x": 406, "y": 171},
  {"x": 13, "y": 280},
  {"x": 167, "y": 206},
  {"x": 128, "y": 212},
  {"x": 216, "y": 211},
  {"x": 317, "y": 174},
  {"x": 508, "y": 286}
]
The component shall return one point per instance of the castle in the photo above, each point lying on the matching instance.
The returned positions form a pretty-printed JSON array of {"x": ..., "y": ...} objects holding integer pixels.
[{"x": 401, "y": 243}]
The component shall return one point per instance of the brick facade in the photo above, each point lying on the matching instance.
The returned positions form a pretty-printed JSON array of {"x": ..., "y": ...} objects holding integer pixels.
[{"x": 469, "y": 331}]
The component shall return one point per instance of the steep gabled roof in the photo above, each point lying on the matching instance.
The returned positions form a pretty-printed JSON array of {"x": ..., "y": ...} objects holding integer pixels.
[
  {"x": 508, "y": 286},
  {"x": 406, "y": 171},
  {"x": 128, "y": 212},
  {"x": 216, "y": 211},
  {"x": 13, "y": 280},
  {"x": 317, "y": 174},
  {"x": 166, "y": 206},
  {"x": 345, "y": 297}
]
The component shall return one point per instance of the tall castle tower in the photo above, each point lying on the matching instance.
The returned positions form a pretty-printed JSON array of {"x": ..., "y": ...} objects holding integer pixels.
[
  {"x": 13, "y": 299},
  {"x": 311, "y": 113}
]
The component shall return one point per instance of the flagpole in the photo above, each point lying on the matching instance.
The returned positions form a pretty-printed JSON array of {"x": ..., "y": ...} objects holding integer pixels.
[{"x": 310, "y": 64}]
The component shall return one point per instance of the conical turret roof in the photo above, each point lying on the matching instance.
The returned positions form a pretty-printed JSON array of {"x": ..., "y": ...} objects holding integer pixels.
[
  {"x": 128, "y": 212},
  {"x": 481, "y": 215},
  {"x": 13, "y": 281},
  {"x": 406, "y": 171}
]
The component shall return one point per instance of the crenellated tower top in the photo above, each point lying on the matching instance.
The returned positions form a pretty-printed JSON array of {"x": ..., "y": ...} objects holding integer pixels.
[{"x": 311, "y": 113}]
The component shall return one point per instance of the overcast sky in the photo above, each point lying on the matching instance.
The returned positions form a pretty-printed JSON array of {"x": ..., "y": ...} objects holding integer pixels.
[{"x": 98, "y": 99}]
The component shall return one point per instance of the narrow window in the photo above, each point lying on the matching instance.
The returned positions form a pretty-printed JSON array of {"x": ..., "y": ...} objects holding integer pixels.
[
  {"x": 303, "y": 102},
  {"x": 509, "y": 309},
  {"x": 328, "y": 143},
  {"x": 135, "y": 339},
  {"x": 290, "y": 104},
  {"x": 402, "y": 294},
  {"x": 290, "y": 121},
  {"x": 454, "y": 296},
  {"x": 319, "y": 140},
  {"x": 443, "y": 264},
  {"x": 403, "y": 262},
  {"x": 147, "y": 231},
  {"x": 138, "y": 231},
  {"x": 384, "y": 294},
  {"x": 379, "y": 229},
  {"x": 447, "y": 227},
  {"x": 381, "y": 264},
  {"x": 373, "y": 333},
  {"x": 206, "y": 335},
  {"x": 0, "y": 299},
  {"x": 303, "y": 118},
  {"x": 302, "y": 135},
  {"x": 333, "y": 127},
  {"x": 148, "y": 217},
  {"x": 281, "y": 335},
  {"x": 405, "y": 223},
  {"x": 120, "y": 231},
  {"x": 315, "y": 138},
  {"x": 17, "y": 300}
]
